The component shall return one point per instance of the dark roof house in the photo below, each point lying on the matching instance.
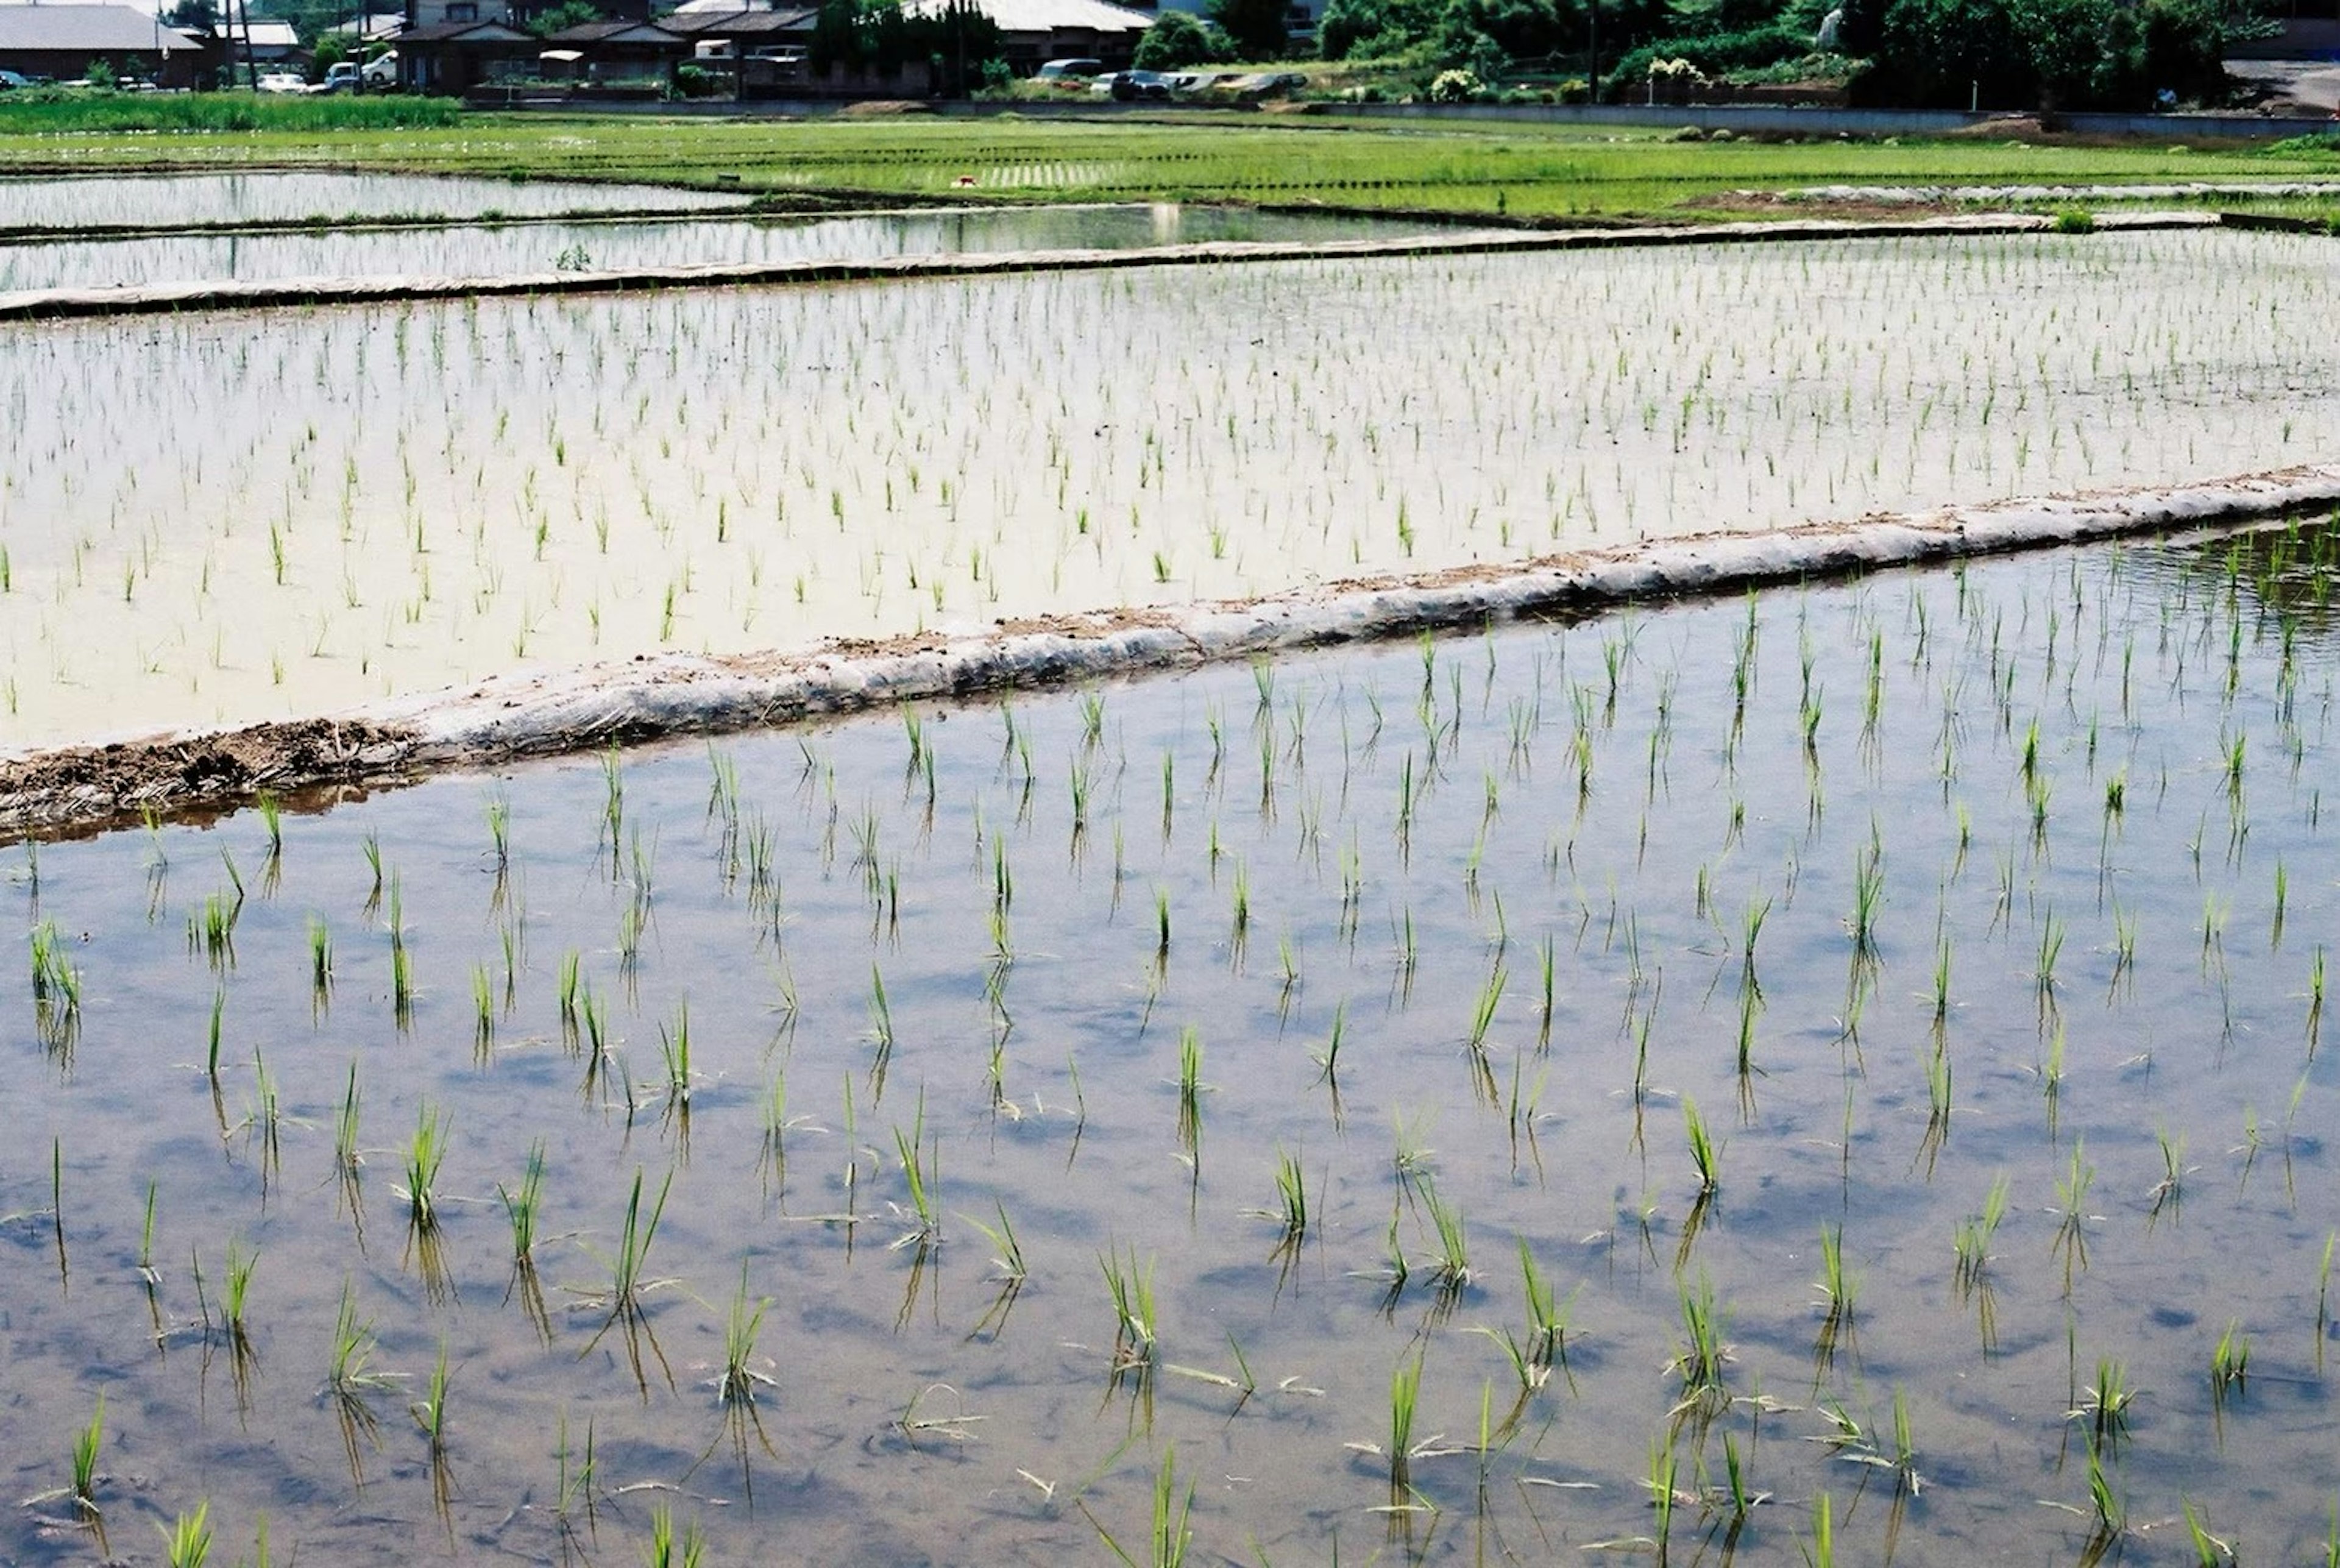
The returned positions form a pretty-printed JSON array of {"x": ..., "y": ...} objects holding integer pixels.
[
  {"x": 63, "y": 40},
  {"x": 454, "y": 58}
]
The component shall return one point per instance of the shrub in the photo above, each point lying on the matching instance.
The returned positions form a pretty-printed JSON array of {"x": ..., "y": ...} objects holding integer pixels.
[
  {"x": 1178, "y": 40},
  {"x": 1453, "y": 87}
]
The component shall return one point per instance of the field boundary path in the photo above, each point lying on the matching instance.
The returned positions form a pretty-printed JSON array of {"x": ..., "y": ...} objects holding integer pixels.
[
  {"x": 52, "y": 304},
  {"x": 668, "y": 695}
]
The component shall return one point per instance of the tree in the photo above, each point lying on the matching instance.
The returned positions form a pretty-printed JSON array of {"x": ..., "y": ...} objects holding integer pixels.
[
  {"x": 1178, "y": 40},
  {"x": 1519, "y": 29},
  {"x": 1369, "y": 28},
  {"x": 1260, "y": 29},
  {"x": 195, "y": 15},
  {"x": 562, "y": 18}
]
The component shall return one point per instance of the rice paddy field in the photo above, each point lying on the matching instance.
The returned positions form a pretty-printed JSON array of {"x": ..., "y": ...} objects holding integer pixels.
[
  {"x": 490, "y": 250},
  {"x": 463, "y": 488},
  {"x": 65, "y": 205},
  {"x": 1522, "y": 170},
  {"x": 1831, "y": 1073},
  {"x": 1701, "y": 1082}
]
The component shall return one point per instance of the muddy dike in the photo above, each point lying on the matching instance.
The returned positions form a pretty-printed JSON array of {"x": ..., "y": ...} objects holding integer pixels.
[{"x": 651, "y": 697}]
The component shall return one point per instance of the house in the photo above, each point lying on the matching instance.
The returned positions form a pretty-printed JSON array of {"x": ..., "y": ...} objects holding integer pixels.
[
  {"x": 763, "y": 51},
  {"x": 598, "y": 52},
  {"x": 454, "y": 58},
  {"x": 1032, "y": 32},
  {"x": 62, "y": 42},
  {"x": 273, "y": 44},
  {"x": 521, "y": 13},
  {"x": 376, "y": 25}
]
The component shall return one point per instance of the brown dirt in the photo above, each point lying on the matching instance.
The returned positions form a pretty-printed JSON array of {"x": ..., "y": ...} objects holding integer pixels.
[
  {"x": 78, "y": 789},
  {"x": 96, "y": 784}
]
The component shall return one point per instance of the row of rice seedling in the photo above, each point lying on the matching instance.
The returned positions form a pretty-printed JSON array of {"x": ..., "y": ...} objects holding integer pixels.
[
  {"x": 1520, "y": 167},
  {"x": 66, "y": 204},
  {"x": 1756, "y": 1036},
  {"x": 504, "y": 250},
  {"x": 469, "y": 489}
]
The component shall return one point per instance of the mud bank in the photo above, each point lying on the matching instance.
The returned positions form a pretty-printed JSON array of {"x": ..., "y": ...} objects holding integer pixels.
[
  {"x": 53, "y": 305},
  {"x": 656, "y": 696}
]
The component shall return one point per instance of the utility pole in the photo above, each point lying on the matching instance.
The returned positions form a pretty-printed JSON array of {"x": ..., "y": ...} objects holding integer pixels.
[{"x": 1593, "y": 77}]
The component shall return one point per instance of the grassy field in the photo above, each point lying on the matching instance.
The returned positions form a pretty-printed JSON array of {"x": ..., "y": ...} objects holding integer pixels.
[{"x": 1522, "y": 170}]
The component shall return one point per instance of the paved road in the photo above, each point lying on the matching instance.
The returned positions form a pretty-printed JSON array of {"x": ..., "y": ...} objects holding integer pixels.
[{"x": 2310, "y": 82}]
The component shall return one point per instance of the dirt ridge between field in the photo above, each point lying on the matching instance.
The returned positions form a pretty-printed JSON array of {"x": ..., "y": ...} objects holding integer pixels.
[
  {"x": 60, "y": 304},
  {"x": 653, "y": 696}
]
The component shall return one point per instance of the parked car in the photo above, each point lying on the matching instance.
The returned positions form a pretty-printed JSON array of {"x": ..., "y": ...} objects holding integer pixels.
[
  {"x": 381, "y": 71},
  {"x": 1062, "y": 71},
  {"x": 341, "y": 77},
  {"x": 1128, "y": 87},
  {"x": 1260, "y": 85},
  {"x": 280, "y": 82},
  {"x": 9, "y": 79}
]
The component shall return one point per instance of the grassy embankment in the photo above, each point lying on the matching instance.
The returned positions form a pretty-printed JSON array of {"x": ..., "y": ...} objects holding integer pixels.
[{"x": 1476, "y": 168}]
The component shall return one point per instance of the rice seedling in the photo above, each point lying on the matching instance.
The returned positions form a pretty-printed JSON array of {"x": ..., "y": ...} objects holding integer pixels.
[
  {"x": 2209, "y": 1549},
  {"x": 57, "y": 992},
  {"x": 674, "y": 1049},
  {"x": 2230, "y": 1363},
  {"x": 1008, "y": 1252},
  {"x": 146, "y": 1271},
  {"x": 1451, "y": 1266},
  {"x": 524, "y": 1208},
  {"x": 2104, "y": 1406},
  {"x": 920, "y": 1176},
  {"x": 1705, "y": 1154},
  {"x": 265, "y": 1118},
  {"x": 626, "y": 1299},
  {"x": 2071, "y": 1243},
  {"x": 1190, "y": 1091},
  {"x": 187, "y": 1539},
  {"x": 351, "y": 1383},
  {"x": 87, "y": 1443},
  {"x": 1170, "y": 1536},
  {"x": 1134, "y": 1322},
  {"x": 235, "y": 1292},
  {"x": 741, "y": 1326},
  {"x": 425, "y": 1150},
  {"x": 1840, "y": 1290},
  {"x": 1701, "y": 1354},
  {"x": 321, "y": 961},
  {"x": 1971, "y": 1245},
  {"x": 1292, "y": 1199},
  {"x": 2168, "y": 1193},
  {"x": 667, "y": 1550},
  {"x": 1328, "y": 1060}
]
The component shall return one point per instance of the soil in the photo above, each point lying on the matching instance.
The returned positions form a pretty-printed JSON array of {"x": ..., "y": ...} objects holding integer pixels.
[{"x": 75, "y": 789}]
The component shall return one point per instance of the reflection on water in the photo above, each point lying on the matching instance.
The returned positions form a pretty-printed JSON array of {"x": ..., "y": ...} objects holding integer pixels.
[
  {"x": 492, "y": 251},
  {"x": 1437, "y": 1099},
  {"x": 290, "y": 195}
]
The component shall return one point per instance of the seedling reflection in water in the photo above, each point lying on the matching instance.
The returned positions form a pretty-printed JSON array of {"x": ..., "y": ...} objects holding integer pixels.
[
  {"x": 629, "y": 1285},
  {"x": 349, "y": 1381}
]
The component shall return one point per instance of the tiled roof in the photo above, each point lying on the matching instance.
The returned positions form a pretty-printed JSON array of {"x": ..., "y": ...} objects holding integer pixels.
[
  {"x": 85, "y": 29},
  {"x": 1052, "y": 16}
]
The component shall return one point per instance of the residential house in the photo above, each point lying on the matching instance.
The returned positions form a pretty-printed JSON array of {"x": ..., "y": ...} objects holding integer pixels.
[{"x": 62, "y": 42}]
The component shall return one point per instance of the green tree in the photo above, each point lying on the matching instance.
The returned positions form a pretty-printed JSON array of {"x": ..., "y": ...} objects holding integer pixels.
[
  {"x": 566, "y": 15},
  {"x": 1260, "y": 29},
  {"x": 1178, "y": 40}
]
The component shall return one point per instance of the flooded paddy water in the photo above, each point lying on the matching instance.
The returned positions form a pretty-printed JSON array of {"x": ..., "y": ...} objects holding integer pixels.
[
  {"x": 299, "y": 510},
  {"x": 488, "y": 251},
  {"x": 1292, "y": 1082},
  {"x": 66, "y": 203}
]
